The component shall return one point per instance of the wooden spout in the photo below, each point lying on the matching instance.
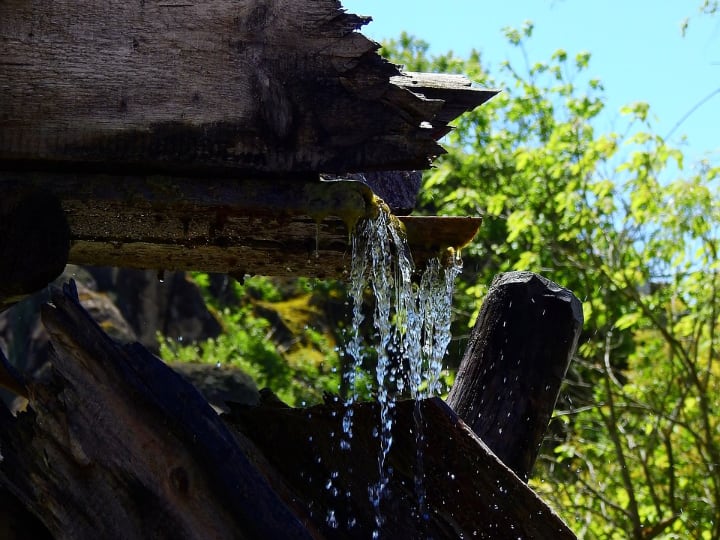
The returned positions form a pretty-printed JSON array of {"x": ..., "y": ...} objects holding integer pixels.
[
  {"x": 430, "y": 236},
  {"x": 269, "y": 226}
]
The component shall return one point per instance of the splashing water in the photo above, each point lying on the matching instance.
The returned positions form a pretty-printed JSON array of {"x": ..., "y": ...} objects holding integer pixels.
[{"x": 412, "y": 325}]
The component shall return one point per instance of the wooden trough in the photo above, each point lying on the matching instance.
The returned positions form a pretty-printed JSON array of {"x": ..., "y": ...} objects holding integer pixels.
[{"x": 193, "y": 136}]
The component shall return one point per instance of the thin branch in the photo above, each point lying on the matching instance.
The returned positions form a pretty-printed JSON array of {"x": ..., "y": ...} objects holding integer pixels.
[
  {"x": 613, "y": 428},
  {"x": 691, "y": 111}
]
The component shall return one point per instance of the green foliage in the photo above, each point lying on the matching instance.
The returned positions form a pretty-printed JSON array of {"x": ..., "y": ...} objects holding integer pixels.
[
  {"x": 298, "y": 369},
  {"x": 636, "y": 445}
]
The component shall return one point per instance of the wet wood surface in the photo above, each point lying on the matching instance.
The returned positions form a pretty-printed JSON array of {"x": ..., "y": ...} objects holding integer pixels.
[
  {"x": 515, "y": 361},
  {"x": 466, "y": 491},
  {"x": 114, "y": 444},
  {"x": 284, "y": 228}
]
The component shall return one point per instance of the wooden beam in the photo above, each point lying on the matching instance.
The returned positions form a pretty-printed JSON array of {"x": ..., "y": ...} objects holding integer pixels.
[
  {"x": 129, "y": 449},
  {"x": 518, "y": 353},
  {"x": 279, "y": 228},
  {"x": 207, "y": 86}
]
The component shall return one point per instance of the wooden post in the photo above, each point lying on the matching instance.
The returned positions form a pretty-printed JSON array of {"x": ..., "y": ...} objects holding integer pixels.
[{"x": 518, "y": 353}]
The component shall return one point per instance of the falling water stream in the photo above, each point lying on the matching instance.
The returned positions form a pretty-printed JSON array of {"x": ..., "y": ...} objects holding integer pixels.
[{"x": 411, "y": 320}]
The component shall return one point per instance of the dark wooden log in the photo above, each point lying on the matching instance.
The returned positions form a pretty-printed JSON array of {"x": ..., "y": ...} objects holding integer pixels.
[
  {"x": 517, "y": 356},
  {"x": 219, "y": 85},
  {"x": 34, "y": 242},
  {"x": 116, "y": 445},
  {"x": 280, "y": 228}
]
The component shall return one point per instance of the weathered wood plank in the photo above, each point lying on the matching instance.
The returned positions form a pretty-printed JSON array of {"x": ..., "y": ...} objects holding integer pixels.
[
  {"x": 455, "y": 91},
  {"x": 245, "y": 85},
  {"x": 518, "y": 353}
]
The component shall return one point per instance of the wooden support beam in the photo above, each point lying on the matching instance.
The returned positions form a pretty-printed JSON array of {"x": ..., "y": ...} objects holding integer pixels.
[
  {"x": 208, "y": 86},
  {"x": 517, "y": 356},
  {"x": 280, "y": 228}
]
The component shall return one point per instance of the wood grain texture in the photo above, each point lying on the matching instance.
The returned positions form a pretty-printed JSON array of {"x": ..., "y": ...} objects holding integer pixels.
[
  {"x": 239, "y": 85},
  {"x": 279, "y": 228},
  {"x": 116, "y": 445},
  {"x": 511, "y": 372}
]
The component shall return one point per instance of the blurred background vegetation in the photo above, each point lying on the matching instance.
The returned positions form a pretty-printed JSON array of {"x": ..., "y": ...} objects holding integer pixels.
[{"x": 617, "y": 217}]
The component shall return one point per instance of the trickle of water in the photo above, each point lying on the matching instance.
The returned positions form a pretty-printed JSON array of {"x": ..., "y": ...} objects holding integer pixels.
[
  {"x": 317, "y": 239},
  {"x": 412, "y": 324}
]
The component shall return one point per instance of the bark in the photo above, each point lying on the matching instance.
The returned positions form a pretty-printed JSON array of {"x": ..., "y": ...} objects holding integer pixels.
[{"x": 512, "y": 369}]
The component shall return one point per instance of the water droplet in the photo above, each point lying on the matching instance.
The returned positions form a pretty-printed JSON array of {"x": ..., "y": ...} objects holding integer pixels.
[{"x": 331, "y": 519}]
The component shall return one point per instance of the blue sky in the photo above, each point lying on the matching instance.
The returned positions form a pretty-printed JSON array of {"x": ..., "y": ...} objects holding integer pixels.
[{"x": 637, "y": 49}]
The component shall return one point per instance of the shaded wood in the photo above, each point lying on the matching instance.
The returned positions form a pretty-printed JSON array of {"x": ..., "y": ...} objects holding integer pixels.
[
  {"x": 116, "y": 445},
  {"x": 16, "y": 522},
  {"x": 279, "y": 228},
  {"x": 517, "y": 356},
  {"x": 398, "y": 189},
  {"x": 34, "y": 242},
  {"x": 218, "y": 85},
  {"x": 467, "y": 491}
]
